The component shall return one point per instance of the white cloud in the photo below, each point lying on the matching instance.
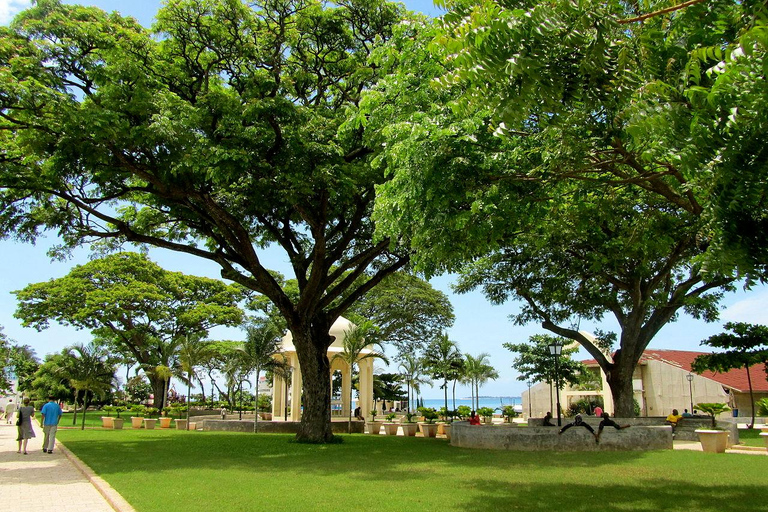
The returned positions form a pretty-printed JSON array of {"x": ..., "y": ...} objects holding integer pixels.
[
  {"x": 752, "y": 310},
  {"x": 10, "y": 8}
]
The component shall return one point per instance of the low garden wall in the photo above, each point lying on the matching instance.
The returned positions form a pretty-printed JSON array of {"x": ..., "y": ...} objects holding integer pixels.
[
  {"x": 686, "y": 431},
  {"x": 507, "y": 437},
  {"x": 273, "y": 427}
]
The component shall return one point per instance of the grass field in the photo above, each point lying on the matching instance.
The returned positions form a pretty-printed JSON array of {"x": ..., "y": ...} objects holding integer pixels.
[{"x": 173, "y": 470}]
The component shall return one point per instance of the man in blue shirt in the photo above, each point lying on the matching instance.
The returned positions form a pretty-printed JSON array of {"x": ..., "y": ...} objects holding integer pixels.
[{"x": 51, "y": 413}]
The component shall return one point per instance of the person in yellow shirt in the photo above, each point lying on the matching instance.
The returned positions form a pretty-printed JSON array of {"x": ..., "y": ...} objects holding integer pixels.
[{"x": 674, "y": 419}]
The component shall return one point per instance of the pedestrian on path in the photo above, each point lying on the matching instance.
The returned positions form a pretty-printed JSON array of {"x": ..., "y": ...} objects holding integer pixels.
[
  {"x": 24, "y": 423},
  {"x": 51, "y": 413},
  {"x": 10, "y": 408}
]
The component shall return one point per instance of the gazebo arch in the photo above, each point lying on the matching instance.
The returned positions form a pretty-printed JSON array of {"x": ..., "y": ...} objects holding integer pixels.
[{"x": 288, "y": 350}]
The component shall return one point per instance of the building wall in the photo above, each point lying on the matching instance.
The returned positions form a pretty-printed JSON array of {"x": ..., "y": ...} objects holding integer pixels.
[{"x": 665, "y": 387}]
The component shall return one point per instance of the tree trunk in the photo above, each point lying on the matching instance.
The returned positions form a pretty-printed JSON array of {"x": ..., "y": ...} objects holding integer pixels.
[
  {"x": 620, "y": 382},
  {"x": 256, "y": 403},
  {"x": 445, "y": 389},
  {"x": 751, "y": 397},
  {"x": 454, "y": 395},
  {"x": 85, "y": 406},
  {"x": 158, "y": 389},
  {"x": 74, "y": 417},
  {"x": 312, "y": 349}
]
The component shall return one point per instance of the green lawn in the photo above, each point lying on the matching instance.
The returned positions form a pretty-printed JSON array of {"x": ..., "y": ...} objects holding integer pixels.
[
  {"x": 173, "y": 470},
  {"x": 751, "y": 437}
]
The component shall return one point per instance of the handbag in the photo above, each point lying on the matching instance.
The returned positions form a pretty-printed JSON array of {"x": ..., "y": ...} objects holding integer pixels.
[{"x": 18, "y": 420}]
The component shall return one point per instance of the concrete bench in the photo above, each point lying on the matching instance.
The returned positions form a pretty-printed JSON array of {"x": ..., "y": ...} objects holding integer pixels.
[{"x": 504, "y": 437}]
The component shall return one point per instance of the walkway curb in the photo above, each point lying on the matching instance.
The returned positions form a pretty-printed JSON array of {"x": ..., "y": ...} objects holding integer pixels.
[{"x": 115, "y": 500}]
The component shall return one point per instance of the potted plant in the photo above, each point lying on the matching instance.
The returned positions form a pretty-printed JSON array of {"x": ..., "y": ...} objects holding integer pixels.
[
  {"x": 149, "y": 421},
  {"x": 138, "y": 412},
  {"x": 716, "y": 439},
  {"x": 428, "y": 427},
  {"x": 165, "y": 419},
  {"x": 486, "y": 413},
  {"x": 117, "y": 423},
  {"x": 463, "y": 411},
  {"x": 390, "y": 427},
  {"x": 509, "y": 414},
  {"x": 181, "y": 423},
  {"x": 373, "y": 426},
  {"x": 408, "y": 426},
  {"x": 107, "y": 421}
]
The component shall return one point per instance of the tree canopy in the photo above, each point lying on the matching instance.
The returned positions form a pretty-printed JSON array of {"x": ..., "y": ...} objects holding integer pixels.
[
  {"x": 132, "y": 305},
  {"x": 222, "y": 131}
]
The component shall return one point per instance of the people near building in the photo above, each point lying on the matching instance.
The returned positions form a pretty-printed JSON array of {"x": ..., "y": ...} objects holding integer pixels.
[
  {"x": 24, "y": 424},
  {"x": 548, "y": 420},
  {"x": 10, "y": 408},
  {"x": 51, "y": 413},
  {"x": 358, "y": 414},
  {"x": 686, "y": 414},
  {"x": 674, "y": 419},
  {"x": 608, "y": 422},
  {"x": 474, "y": 419},
  {"x": 578, "y": 421}
]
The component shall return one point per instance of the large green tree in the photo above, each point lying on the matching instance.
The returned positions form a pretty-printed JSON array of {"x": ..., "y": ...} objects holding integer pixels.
[
  {"x": 668, "y": 98},
  {"x": 406, "y": 310},
  {"x": 132, "y": 305},
  {"x": 745, "y": 346},
  {"x": 219, "y": 133},
  {"x": 579, "y": 212}
]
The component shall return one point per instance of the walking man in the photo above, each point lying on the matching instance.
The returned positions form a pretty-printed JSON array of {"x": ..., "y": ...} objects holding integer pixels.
[
  {"x": 51, "y": 413},
  {"x": 10, "y": 408}
]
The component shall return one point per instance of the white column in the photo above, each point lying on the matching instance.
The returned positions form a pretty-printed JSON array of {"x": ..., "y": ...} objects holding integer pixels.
[
  {"x": 346, "y": 387},
  {"x": 366, "y": 387},
  {"x": 278, "y": 393},
  {"x": 296, "y": 389}
]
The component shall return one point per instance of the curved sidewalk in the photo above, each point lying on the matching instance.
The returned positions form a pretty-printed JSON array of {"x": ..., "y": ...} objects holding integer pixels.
[{"x": 57, "y": 482}]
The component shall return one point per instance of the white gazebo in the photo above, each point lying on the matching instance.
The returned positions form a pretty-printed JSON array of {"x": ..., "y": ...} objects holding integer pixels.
[{"x": 365, "y": 401}]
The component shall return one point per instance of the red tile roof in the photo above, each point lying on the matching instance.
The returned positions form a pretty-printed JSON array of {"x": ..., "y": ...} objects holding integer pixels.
[{"x": 735, "y": 379}]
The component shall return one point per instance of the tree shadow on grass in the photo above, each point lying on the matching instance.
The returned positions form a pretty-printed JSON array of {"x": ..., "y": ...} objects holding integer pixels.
[{"x": 650, "y": 496}]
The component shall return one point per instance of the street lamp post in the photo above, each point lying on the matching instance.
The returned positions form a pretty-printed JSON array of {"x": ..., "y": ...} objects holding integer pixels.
[
  {"x": 530, "y": 408},
  {"x": 555, "y": 349},
  {"x": 690, "y": 388}
]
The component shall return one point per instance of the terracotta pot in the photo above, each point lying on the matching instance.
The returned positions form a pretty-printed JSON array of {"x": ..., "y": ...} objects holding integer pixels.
[
  {"x": 713, "y": 441},
  {"x": 447, "y": 430},
  {"x": 149, "y": 423},
  {"x": 193, "y": 425},
  {"x": 117, "y": 423},
  {"x": 136, "y": 421},
  {"x": 390, "y": 429},
  {"x": 107, "y": 422},
  {"x": 409, "y": 429},
  {"x": 181, "y": 424},
  {"x": 266, "y": 416},
  {"x": 374, "y": 427},
  {"x": 165, "y": 422}
]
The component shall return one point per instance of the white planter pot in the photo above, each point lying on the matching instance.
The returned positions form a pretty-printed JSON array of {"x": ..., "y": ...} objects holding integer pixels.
[
  {"x": 713, "y": 441},
  {"x": 374, "y": 427}
]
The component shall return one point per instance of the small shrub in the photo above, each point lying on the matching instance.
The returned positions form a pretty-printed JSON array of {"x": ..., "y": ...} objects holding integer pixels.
[
  {"x": 713, "y": 409},
  {"x": 463, "y": 411},
  {"x": 486, "y": 413},
  {"x": 509, "y": 412},
  {"x": 391, "y": 416},
  {"x": 429, "y": 413},
  {"x": 762, "y": 407}
]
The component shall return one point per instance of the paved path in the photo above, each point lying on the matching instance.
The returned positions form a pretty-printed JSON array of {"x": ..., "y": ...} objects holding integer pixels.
[{"x": 42, "y": 482}]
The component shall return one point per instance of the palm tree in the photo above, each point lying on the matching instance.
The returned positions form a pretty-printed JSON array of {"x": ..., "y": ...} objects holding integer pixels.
[
  {"x": 88, "y": 368},
  {"x": 192, "y": 351},
  {"x": 412, "y": 369},
  {"x": 477, "y": 371},
  {"x": 440, "y": 357},
  {"x": 262, "y": 343},
  {"x": 354, "y": 344}
]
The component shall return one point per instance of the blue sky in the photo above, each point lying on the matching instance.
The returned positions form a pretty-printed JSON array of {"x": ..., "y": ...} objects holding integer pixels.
[{"x": 480, "y": 327}]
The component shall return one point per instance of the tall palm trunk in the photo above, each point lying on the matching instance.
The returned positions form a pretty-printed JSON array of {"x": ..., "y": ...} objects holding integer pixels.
[
  {"x": 189, "y": 390},
  {"x": 256, "y": 402},
  {"x": 74, "y": 418},
  {"x": 85, "y": 407}
]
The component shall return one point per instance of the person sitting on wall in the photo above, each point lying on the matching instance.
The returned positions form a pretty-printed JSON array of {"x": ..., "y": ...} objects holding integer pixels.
[
  {"x": 686, "y": 414},
  {"x": 578, "y": 421},
  {"x": 674, "y": 419},
  {"x": 548, "y": 420},
  {"x": 474, "y": 419},
  {"x": 358, "y": 414},
  {"x": 608, "y": 422}
]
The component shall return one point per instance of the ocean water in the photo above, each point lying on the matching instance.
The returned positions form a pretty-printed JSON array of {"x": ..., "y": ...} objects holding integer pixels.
[{"x": 489, "y": 401}]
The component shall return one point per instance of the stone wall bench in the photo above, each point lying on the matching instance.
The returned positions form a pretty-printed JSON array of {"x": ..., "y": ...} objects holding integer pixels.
[{"x": 502, "y": 437}]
